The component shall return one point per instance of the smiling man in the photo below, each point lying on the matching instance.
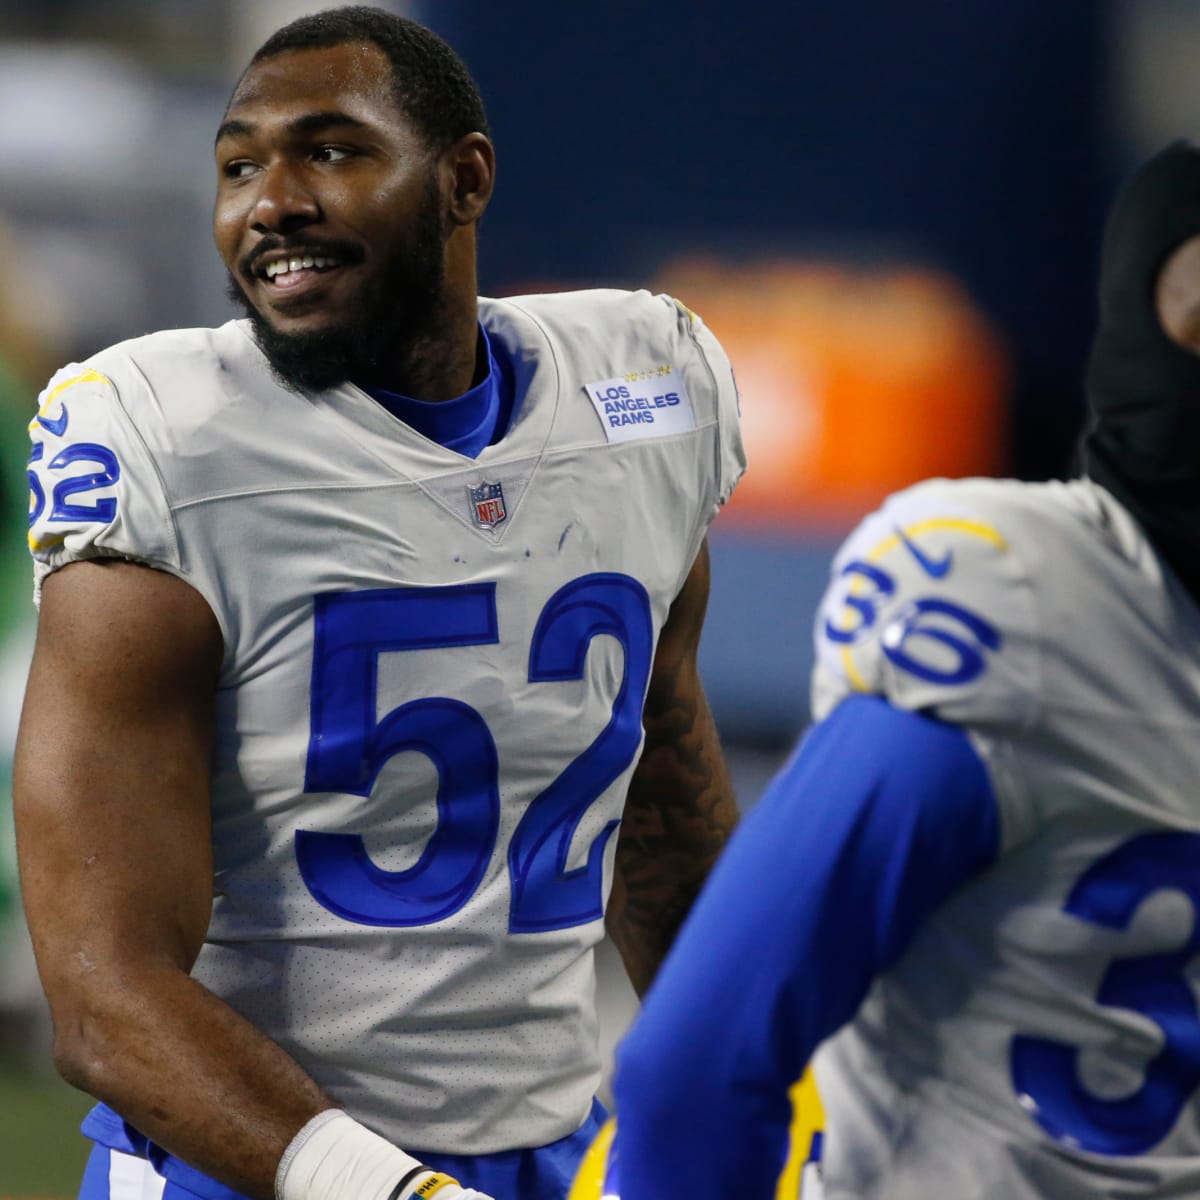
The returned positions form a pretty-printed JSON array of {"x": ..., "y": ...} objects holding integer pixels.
[
  {"x": 331, "y": 219},
  {"x": 366, "y": 622}
]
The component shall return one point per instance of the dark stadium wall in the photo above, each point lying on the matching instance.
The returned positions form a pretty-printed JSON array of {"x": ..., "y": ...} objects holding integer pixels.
[{"x": 967, "y": 136}]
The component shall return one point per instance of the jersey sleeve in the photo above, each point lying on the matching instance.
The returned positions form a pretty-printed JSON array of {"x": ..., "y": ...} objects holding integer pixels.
[
  {"x": 876, "y": 819},
  {"x": 94, "y": 490},
  {"x": 930, "y": 607},
  {"x": 715, "y": 375}
]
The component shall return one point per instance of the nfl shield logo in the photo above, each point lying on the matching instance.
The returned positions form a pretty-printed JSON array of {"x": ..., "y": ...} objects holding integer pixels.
[{"x": 487, "y": 504}]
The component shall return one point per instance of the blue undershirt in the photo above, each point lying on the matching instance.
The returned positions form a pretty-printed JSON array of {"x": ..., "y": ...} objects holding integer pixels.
[
  {"x": 469, "y": 422},
  {"x": 878, "y": 816}
]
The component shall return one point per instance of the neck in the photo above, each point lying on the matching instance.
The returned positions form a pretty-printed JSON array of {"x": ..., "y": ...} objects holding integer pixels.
[
  {"x": 443, "y": 362},
  {"x": 440, "y": 364}
]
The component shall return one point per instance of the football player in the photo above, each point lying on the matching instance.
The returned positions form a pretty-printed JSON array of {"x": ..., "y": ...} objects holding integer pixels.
[
  {"x": 971, "y": 897},
  {"x": 365, "y": 622}
]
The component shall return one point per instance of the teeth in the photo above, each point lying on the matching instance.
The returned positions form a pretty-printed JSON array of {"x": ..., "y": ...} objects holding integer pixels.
[{"x": 304, "y": 262}]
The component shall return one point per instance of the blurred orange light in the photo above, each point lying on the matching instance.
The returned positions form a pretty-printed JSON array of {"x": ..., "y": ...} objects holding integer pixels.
[{"x": 853, "y": 383}]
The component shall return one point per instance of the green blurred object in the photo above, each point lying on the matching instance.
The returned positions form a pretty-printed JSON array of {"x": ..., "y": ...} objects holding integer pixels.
[
  {"x": 8, "y": 848},
  {"x": 17, "y": 403},
  {"x": 42, "y": 1152},
  {"x": 17, "y": 406}
]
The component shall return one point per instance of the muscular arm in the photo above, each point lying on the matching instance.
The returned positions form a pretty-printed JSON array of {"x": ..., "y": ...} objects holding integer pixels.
[
  {"x": 681, "y": 808},
  {"x": 112, "y": 802}
]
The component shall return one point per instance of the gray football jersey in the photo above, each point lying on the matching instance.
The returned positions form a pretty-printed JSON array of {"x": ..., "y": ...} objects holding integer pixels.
[
  {"x": 430, "y": 702},
  {"x": 1040, "y": 1037}
]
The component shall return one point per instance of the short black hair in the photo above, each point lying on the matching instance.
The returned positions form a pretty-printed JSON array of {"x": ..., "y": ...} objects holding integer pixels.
[{"x": 432, "y": 84}]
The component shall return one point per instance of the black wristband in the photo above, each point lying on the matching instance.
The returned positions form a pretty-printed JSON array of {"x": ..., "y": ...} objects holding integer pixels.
[{"x": 406, "y": 1179}]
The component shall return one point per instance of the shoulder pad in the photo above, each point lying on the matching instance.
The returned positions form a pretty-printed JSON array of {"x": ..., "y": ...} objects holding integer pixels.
[{"x": 929, "y": 606}]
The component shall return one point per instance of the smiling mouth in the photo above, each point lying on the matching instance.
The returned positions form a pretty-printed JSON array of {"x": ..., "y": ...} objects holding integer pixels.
[{"x": 287, "y": 273}]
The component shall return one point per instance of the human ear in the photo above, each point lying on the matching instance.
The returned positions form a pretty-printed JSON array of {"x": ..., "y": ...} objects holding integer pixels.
[
  {"x": 468, "y": 175},
  {"x": 1177, "y": 295}
]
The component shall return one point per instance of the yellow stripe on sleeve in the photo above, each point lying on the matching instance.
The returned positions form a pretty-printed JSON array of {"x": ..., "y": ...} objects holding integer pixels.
[
  {"x": 46, "y": 543},
  {"x": 85, "y": 376},
  {"x": 956, "y": 524}
]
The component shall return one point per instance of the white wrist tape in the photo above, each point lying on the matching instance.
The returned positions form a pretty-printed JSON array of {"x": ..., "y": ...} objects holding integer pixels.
[{"x": 335, "y": 1158}]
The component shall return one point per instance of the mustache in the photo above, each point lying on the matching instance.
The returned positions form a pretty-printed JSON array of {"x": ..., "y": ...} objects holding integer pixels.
[{"x": 348, "y": 253}]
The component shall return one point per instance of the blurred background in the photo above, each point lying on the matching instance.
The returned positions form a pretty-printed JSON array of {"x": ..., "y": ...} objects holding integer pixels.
[{"x": 889, "y": 213}]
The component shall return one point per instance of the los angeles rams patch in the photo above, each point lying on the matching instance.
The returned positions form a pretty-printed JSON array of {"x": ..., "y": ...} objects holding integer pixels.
[{"x": 642, "y": 404}]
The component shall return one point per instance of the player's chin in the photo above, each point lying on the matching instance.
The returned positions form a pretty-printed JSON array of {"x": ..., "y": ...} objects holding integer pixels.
[
  {"x": 305, "y": 324},
  {"x": 302, "y": 316}
]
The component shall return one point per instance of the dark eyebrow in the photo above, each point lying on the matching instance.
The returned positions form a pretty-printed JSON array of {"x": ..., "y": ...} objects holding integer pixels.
[
  {"x": 309, "y": 123},
  {"x": 232, "y": 129}
]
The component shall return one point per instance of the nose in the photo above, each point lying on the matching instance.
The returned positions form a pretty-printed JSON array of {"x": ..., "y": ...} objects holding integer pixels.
[{"x": 284, "y": 203}]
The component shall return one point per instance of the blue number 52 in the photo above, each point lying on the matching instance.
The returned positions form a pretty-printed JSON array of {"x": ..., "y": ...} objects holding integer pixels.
[{"x": 349, "y": 745}]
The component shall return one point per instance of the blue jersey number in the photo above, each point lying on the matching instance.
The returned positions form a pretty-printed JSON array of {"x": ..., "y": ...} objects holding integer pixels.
[
  {"x": 349, "y": 745},
  {"x": 64, "y": 508},
  {"x": 1045, "y": 1072},
  {"x": 921, "y": 622},
  {"x": 545, "y": 894},
  {"x": 934, "y": 639}
]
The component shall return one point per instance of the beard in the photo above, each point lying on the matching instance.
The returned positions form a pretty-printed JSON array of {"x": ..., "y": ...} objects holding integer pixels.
[{"x": 380, "y": 327}]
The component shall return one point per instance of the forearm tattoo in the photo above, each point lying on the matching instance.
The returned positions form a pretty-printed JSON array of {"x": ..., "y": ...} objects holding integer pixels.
[{"x": 678, "y": 815}]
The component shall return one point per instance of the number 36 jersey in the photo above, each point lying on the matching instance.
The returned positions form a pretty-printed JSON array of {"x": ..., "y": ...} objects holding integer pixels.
[
  {"x": 1040, "y": 1037},
  {"x": 430, "y": 702}
]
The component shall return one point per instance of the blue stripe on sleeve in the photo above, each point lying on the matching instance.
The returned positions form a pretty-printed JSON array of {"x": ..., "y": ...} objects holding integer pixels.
[{"x": 877, "y": 817}]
